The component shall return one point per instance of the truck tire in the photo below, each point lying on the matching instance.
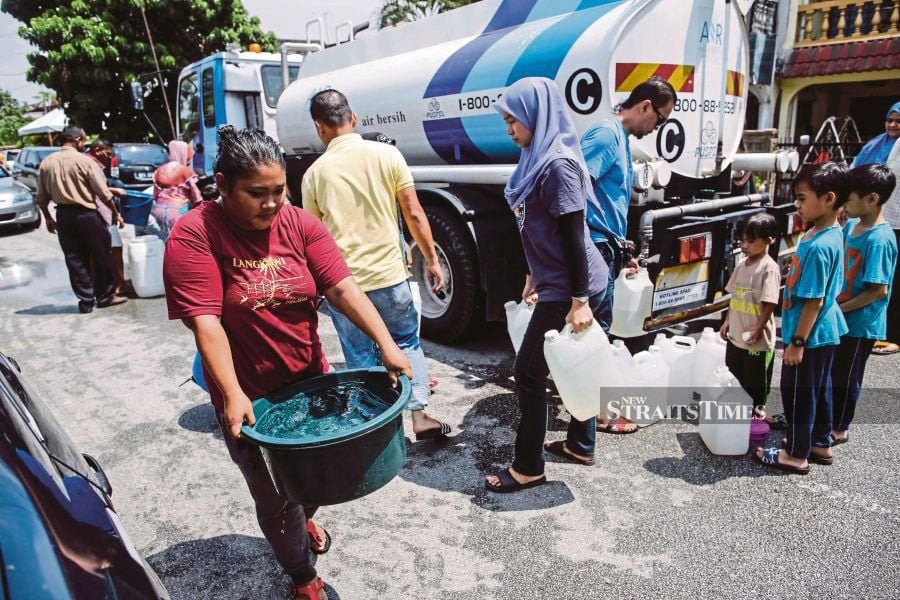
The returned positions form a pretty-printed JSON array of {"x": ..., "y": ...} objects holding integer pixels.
[{"x": 450, "y": 318}]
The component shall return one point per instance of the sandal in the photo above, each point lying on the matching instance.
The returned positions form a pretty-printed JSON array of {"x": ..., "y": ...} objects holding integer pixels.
[
  {"x": 770, "y": 459},
  {"x": 813, "y": 457},
  {"x": 509, "y": 484},
  {"x": 837, "y": 441},
  {"x": 777, "y": 421},
  {"x": 559, "y": 449},
  {"x": 886, "y": 350},
  {"x": 434, "y": 433},
  {"x": 310, "y": 591},
  {"x": 318, "y": 543},
  {"x": 618, "y": 427}
]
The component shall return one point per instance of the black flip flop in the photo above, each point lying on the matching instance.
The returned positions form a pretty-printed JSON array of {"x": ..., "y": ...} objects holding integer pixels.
[
  {"x": 813, "y": 457},
  {"x": 434, "y": 433},
  {"x": 508, "y": 483},
  {"x": 839, "y": 441},
  {"x": 770, "y": 459},
  {"x": 559, "y": 449}
]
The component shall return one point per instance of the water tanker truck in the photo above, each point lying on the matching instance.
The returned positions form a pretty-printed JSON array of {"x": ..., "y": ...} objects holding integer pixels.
[{"x": 431, "y": 86}]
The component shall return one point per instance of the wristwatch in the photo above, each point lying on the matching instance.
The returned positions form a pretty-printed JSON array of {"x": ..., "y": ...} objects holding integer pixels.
[
  {"x": 798, "y": 341},
  {"x": 582, "y": 299}
]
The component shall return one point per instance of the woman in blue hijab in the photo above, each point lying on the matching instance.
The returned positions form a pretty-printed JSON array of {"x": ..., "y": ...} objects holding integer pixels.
[
  {"x": 879, "y": 148},
  {"x": 567, "y": 276}
]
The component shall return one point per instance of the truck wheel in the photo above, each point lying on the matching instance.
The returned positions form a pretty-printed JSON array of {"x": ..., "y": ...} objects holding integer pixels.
[{"x": 449, "y": 316}]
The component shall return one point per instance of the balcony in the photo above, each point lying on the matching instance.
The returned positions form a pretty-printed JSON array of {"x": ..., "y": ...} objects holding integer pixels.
[{"x": 825, "y": 22}]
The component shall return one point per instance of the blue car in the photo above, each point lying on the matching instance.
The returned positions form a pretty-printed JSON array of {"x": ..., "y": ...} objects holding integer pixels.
[{"x": 60, "y": 537}]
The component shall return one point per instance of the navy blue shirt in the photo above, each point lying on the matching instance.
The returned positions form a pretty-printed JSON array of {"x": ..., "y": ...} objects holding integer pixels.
[{"x": 558, "y": 192}]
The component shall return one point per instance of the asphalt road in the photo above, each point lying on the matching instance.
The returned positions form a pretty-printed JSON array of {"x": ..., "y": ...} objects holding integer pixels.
[{"x": 658, "y": 516}]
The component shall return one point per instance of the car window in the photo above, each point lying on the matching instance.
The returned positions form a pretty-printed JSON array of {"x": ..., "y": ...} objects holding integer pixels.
[
  {"x": 271, "y": 79},
  {"x": 25, "y": 160},
  {"x": 3, "y": 172},
  {"x": 42, "y": 154},
  {"x": 147, "y": 154},
  {"x": 43, "y": 426},
  {"x": 189, "y": 107}
]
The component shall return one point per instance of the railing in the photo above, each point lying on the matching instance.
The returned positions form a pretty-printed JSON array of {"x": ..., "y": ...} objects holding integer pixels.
[{"x": 837, "y": 21}]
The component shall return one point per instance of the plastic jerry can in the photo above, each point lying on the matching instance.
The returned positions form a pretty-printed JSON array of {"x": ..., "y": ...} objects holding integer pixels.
[
  {"x": 632, "y": 300},
  {"x": 709, "y": 355},
  {"x": 582, "y": 366},
  {"x": 518, "y": 315},
  {"x": 678, "y": 352},
  {"x": 725, "y": 414},
  {"x": 145, "y": 258},
  {"x": 649, "y": 383}
]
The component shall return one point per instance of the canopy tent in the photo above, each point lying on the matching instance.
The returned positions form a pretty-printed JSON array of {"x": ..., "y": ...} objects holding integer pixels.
[{"x": 53, "y": 122}]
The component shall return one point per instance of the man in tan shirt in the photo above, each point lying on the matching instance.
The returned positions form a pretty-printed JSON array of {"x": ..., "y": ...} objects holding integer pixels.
[{"x": 72, "y": 181}]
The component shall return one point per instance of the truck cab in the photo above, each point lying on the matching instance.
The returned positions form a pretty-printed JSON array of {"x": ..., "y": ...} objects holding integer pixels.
[{"x": 233, "y": 87}]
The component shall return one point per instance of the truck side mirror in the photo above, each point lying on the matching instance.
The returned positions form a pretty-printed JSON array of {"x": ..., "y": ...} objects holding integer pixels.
[{"x": 137, "y": 95}]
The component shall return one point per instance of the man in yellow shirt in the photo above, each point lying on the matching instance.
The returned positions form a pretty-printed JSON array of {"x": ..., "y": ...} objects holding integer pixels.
[{"x": 355, "y": 188}]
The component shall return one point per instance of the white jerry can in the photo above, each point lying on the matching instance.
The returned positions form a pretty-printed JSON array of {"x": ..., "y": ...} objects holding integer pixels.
[
  {"x": 650, "y": 378},
  {"x": 631, "y": 303},
  {"x": 582, "y": 366},
  {"x": 678, "y": 352},
  {"x": 725, "y": 414},
  {"x": 518, "y": 315},
  {"x": 709, "y": 355},
  {"x": 145, "y": 257}
]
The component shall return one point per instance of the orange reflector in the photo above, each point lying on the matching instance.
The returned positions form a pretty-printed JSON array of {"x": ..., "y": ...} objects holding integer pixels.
[
  {"x": 254, "y": 48},
  {"x": 796, "y": 224}
]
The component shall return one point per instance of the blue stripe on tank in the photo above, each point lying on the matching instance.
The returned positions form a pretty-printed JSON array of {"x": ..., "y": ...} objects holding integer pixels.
[
  {"x": 488, "y": 134},
  {"x": 451, "y": 75},
  {"x": 450, "y": 141},
  {"x": 548, "y": 51}
]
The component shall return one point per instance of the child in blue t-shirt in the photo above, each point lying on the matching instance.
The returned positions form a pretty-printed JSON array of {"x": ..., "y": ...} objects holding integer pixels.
[
  {"x": 811, "y": 322},
  {"x": 870, "y": 251}
]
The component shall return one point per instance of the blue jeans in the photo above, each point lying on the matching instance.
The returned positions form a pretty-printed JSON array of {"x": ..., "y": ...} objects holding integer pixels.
[
  {"x": 604, "y": 313},
  {"x": 395, "y": 305},
  {"x": 531, "y": 372}
]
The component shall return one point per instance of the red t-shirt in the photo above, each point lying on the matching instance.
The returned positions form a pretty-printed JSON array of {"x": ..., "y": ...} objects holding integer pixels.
[{"x": 263, "y": 285}]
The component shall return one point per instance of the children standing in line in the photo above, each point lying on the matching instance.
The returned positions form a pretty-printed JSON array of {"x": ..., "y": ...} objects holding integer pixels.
[
  {"x": 870, "y": 251},
  {"x": 749, "y": 326},
  {"x": 811, "y": 322}
]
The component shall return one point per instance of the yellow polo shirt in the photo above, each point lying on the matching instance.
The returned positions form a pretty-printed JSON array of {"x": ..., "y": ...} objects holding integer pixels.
[{"x": 353, "y": 188}]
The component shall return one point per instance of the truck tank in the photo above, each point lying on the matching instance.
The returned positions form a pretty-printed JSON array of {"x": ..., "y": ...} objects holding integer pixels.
[{"x": 431, "y": 84}]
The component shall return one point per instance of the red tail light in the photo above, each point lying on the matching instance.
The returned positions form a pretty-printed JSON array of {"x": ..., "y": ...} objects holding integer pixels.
[
  {"x": 694, "y": 247},
  {"x": 114, "y": 161}
]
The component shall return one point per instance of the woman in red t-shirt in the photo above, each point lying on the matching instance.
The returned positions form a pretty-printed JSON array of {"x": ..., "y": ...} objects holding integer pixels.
[{"x": 243, "y": 274}]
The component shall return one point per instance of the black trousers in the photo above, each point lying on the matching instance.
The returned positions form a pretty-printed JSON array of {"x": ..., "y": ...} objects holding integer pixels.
[
  {"x": 847, "y": 373},
  {"x": 85, "y": 243},
  {"x": 753, "y": 369}
]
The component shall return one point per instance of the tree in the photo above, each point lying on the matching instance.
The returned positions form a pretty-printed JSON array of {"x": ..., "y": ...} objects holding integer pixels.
[
  {"x": 89, "y": 52},
  {"x": 395, "y": 12},
  {"x": 12, "y": 117}
]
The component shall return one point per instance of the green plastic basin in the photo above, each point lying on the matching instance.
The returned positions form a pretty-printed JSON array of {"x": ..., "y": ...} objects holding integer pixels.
[{"x": 344, "y": 465}]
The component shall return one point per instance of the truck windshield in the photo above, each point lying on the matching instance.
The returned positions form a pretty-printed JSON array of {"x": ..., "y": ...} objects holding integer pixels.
[
  {"x": 271, "y": 79},
  {"x": 189, "y": 107}
]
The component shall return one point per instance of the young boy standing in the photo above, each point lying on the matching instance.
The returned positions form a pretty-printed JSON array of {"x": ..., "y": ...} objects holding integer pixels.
[
  {"x": 749, "y": 326},
  {"x": 870, "y": 251},
  {"x": 811, "y": 322}
]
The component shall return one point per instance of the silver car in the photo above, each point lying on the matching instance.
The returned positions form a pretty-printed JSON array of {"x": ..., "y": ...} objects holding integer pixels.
[{"x": 17, "y": 205}]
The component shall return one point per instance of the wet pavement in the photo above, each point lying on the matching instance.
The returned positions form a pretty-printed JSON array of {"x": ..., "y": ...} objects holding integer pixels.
[{"x": 658, "y": 516}]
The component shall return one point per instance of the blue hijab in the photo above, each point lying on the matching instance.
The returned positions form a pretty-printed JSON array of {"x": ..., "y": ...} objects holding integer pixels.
[
  {"x": 879, "y": 148},
  {"x": 537, "y": 104}
]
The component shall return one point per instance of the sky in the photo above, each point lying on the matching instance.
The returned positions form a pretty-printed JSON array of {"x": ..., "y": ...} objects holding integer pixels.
[{"x": 287, "y": 18}]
